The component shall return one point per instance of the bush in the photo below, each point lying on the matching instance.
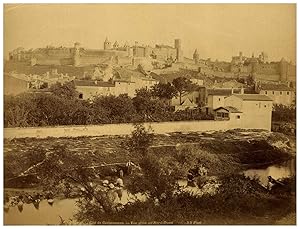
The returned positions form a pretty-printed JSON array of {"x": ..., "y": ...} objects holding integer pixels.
[
  {"x": 61, "y": 108},
  {"x": 283, "y": 113}
]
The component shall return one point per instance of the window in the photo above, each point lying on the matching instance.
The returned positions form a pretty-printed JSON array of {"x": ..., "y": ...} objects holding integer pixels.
[
  {"x": 273, "y": 92},
  {"x": 238, "y": 117},
  {"x": 265, "y": 105},
  {"x": 222, "y": 115},
  {"x": 287, "y": 93},
  {"x": 80, "y": 96},
  {"x": 266, "y": 92},
  {"x": 219, "y": 99},
  {"x": 281, "y": 93}
]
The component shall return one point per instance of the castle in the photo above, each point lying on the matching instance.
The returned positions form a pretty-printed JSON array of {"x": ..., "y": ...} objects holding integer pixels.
[
  {"x": 79, "y": 56},
  {"x": 241, "y": 66},
  {"x": 159, "y": 57}
]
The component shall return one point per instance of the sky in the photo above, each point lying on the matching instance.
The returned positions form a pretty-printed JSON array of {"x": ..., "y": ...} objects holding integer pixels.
[{"x": 218, "y": 31}]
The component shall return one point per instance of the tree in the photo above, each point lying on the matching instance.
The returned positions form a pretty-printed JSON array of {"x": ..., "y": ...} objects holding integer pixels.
[
  {"x": 283, "y": 113},
  {"x": 164, "y": 91},
  {"x": 67, "y": 90},
  {"x": 140, "y": 139},
  {"x": 143, "y": 103},
  {"x": 113, "y": 109},
  {"x": 183, "y": 85}
]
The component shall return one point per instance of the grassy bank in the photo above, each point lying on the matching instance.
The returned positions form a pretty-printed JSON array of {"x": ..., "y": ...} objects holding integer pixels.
[{"x": 221, "y": 152}]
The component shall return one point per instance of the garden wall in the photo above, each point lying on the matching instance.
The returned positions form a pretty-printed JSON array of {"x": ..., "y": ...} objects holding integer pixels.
[{"x": 116, "y": 129}]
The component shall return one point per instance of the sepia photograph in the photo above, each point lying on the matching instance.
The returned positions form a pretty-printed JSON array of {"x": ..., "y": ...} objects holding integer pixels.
[{"x": 149, "y": 114}]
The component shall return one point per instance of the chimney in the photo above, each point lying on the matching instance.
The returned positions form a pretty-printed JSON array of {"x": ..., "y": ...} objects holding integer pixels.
[{"x": 232, "y": 91}]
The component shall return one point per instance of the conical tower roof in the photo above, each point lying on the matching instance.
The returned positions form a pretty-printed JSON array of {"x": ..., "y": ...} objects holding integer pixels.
[
  {"x": 283, "y": 60},
  {"x": 196, "y": 52},
  {"x": 106, "y": 40},
  {"x": 126, "y": 44},
  {"x": 116, "y": 43}
]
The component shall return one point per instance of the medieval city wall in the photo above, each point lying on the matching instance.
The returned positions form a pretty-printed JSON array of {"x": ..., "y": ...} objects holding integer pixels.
[
  {"x": 90, "y": 60},
  {"x": 291, "y": 73},
  {"x": 102, "y": 53},
  {"x": 116, "y": 129},
  {"x": 123, "y": 61},
  {"x": 267, "y": 69},
  {"x": 267, "y": 77},
  {"x": 48, "y": 61}
]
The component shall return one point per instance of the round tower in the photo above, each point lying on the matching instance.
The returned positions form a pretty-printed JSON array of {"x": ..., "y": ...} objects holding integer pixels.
[
  {"x": 196, "y": 56},
  {"x": 76, "y": 54},
  {"x": 241, "y": 56},
  {"x": 107, "y": 44},
  {"x": 179, "y": 53},
  {"x": 147, "y": 51},
  {"x": 283, "y": 69}
]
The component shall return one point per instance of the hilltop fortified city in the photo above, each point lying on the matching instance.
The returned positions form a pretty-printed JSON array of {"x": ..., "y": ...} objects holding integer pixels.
[{"x": 157, "y": 114}]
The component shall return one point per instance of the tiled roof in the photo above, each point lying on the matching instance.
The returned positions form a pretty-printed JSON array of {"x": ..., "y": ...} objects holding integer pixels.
[
  {"x": 232, "y": 109},
  {"x": 221, "y": 91},
  {"x": 229, "y": 109},
  {"x": 275, "y": 87},
  {"x": 164, "y": 46},
  {"x": 124, "y": 75},
  {"x": 92, "y": 83},
  {"x": 253, "y": 97}
]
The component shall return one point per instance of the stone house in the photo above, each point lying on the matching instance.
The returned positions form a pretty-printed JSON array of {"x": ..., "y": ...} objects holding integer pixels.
[
  {"x": 256, "y": 110},
  {"x": 279, "y": 93}
]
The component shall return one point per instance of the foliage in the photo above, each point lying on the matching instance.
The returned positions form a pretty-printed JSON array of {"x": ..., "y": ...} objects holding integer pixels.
[
  {"x": 283, "y": 113},
  {"x": 239, "y": 200},
  {"x": 114, "y": 109},
  {"x": 164, "y": 91},
  {"x": 140, "y": 139},
  {"x": 182, "y": 85},
  {"x": 66, "y": 90},
  {"x": 17, "y": 110},
  {"x": 148, "y": 108},
  {"x": 62, "y": 108}
]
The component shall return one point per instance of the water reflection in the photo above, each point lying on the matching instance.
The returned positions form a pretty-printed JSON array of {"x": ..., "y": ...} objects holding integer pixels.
[
  {"x": 46, "y": 213},
  {"x": 43, "y": 215},
  {"x": 282, "y": 170}
]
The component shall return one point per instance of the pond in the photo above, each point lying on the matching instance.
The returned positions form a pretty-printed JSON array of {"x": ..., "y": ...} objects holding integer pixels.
[{"x": 277, "y": 171}]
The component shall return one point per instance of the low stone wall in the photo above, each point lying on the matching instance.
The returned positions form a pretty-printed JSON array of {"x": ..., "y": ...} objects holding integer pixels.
[{"x": 115, "y": 129}]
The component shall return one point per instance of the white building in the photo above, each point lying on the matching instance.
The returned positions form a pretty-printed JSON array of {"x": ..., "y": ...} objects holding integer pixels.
[
  {"x": 279, "y": 93},
  {"x": 216, "y": 97},
  {"x": 256, "y": 110},
  {"x": 124, "y": 82}
]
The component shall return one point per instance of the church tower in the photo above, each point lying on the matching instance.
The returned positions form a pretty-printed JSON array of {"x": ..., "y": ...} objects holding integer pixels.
[{"x": 107, "y": 44}]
